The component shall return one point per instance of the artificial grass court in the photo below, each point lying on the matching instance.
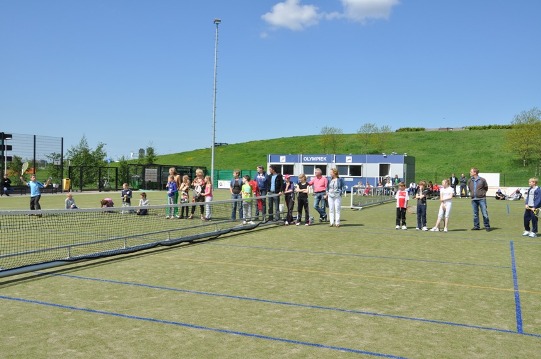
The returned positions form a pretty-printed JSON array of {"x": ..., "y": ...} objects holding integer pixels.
[{"x": 361, "y": 290}]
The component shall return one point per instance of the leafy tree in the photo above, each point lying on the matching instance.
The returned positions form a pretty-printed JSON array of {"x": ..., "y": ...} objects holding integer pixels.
[
  {"x": 14, "y": 169},
  {"x": 373, "y": 138},
  {"x": 330, "y": 138},
  {"x": 151, "y": 156},
  {"x": 55, "y": 170},
  {"x": 524, "y": 138},
  {"x": 141, "y": 154},
  {"x": 88, "y": 159}
]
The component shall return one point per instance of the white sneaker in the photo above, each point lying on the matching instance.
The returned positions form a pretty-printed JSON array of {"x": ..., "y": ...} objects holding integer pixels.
[
  {"x": 435, "y": 229},
  {"x": 397, "y": 227},
  {"x": 425, "y": 229},
  {"x": 417, "y": 229},
  {"x": 251, "y": 222},
  {"x": 404, "y": 227},
  {"x": 243, "y": 222},
  {"x": 286, "y": 223},
  {"x": 526, "y": 233},
  {"x": 298, "y": 223},
  {"x": 445, "y": 229},
  {"x": 532, "y": 234}
]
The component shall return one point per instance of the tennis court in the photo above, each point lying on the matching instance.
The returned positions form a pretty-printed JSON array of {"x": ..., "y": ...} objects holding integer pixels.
[{"x": 361, "y": 290}]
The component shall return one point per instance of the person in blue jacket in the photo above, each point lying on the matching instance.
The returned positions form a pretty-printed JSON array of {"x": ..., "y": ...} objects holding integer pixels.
[{"x": 532, "y": 203}]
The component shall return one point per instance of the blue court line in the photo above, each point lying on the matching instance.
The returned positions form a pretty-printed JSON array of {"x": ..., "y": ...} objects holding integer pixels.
[
  {"x": 518, "y": 310},
  {"x": 299, "y": 305},
  {"x": 360, "y": 255},
  {"x": 200, "y": 327}
]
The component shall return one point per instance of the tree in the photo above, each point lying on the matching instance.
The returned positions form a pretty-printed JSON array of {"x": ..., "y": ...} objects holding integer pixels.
[
  {"x": 330, "y": 138},
  {"x": 53, "y": 166},
  {"x": 151, "y": 156},
  {"x": 88, "y": 159},
  {"x": 373, "y": 138},
  {"x": 524, "y": 138}
]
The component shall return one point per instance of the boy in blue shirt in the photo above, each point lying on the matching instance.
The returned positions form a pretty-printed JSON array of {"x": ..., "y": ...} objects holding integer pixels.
[{"x": 35, "y": 191}]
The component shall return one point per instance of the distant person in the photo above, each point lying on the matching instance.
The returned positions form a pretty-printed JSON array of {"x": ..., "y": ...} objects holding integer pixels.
[
  {"x": 178, "y": 180},
  {"x": 532, "y": 203},
  {"x": 500, "y": 196},
  {"x": 143, "y": 202},
  {"x": 235, "y": 188},
  {"x": 463, "y": 186},
  {"x": 247, "y": 194},
  {"x": 6, "y": 186},
  {"x": 35, "y": 191},
  {"x": 275, "y": 188},
  {"x": 184, "y": 196},
  {"x": 172, "y": 193},
  {"x": 69, "y": 202},
  {"x": 401, "y": 197},
  {"x": 263, "y": 182},
  {"x": 478, "y": 188},
  {"x": 207, "y": 194},
  {"x": 302, "y": 200},
  {"x": 453, "y": 181},
  {"x": 107, "y": 202},
  {"x": 446, "y": 196},
  {"x": 319, "y": 184},
  {"x": 421, "y": 195},
  {"x": 198, "y": 185},
  {"x": 288, "y": 189},
  {"x": 396, "y": 183},
  {"x": 516, "y": 195},
  {"x": 334, "y": 191},
  {"x": 126, "y": 195}
]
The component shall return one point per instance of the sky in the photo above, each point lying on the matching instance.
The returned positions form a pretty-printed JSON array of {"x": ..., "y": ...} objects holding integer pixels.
[{"x": 133, "y": 73}]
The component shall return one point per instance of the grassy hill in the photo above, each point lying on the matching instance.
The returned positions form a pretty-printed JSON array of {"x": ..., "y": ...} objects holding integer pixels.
[{"x": 437, "y": 153}]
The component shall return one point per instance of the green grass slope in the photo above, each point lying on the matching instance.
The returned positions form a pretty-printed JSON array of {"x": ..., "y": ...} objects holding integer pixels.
[{"x": 437, "y": 153}]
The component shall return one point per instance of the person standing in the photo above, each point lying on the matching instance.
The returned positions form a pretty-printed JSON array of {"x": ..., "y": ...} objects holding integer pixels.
[
  {"x": 263, "y": 182},
  {"x": 198, "y": 186},
  {"x": 275, "y": 187},
  {"x": 446, "y": 196},
  {"x": 235, "y": 188},
  {"x": 334, "y": 191},
  {"x": 35, "y": 191},
  {"x": 207, "y": 194},
  {"x": 177, "y": 178},
  {"x": 454, "y": 182},
  {"x": 247, "y": 194},
  {"x": 319, "y": 185},
  {"x": 478, "y": 188},
  {"x": 401, "y": 197},
  {"x": 172, "y": 193},
  {"x": 6, "y": 186},
  {"x": 288, "y": 189},
  {"x": 532, "y": 202},
  {"x": 302, "y": 200},
  {"x": 420, "y": 195},
  {"x": 463, "y": 186}
]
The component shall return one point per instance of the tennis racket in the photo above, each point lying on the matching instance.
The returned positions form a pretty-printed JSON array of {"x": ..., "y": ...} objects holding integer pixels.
[
  {"x": 24, "y": 168},
  {"x": 536, "y": 211},
  {"x": 412, "y": 209}
]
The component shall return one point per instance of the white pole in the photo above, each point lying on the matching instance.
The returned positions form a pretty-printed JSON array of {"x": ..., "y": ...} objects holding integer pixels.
[{"x": 216, "y": 22}]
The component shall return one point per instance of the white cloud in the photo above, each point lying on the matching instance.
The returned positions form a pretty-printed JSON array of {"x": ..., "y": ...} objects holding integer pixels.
[
  {"x": 292, "y": 15},
  {"x": 361, "y": 10}
]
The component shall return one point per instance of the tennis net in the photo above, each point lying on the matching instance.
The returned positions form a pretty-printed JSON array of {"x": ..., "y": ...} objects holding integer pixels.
[{"x": 53, "y": 237}]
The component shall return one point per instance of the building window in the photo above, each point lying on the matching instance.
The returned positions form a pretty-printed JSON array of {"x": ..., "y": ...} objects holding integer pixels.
[{"x": 356, "y": 171}]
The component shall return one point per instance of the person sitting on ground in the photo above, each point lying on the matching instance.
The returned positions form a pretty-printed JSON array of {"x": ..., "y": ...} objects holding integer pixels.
[
  {"x": 70, "y": 202},
  {"x": 516, "y": 195},
  {"x": 499, "y": 195},
  {"x": 107, "y": 202}
]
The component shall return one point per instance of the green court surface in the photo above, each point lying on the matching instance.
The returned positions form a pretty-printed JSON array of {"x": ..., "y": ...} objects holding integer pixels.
[{"x": 361, "y": 290}]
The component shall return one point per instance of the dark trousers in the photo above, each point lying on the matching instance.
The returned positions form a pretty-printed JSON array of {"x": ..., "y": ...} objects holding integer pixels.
[
  {"x": 34, "y": 202},
  {"x": 421, "y": 216},
  {"x": 200, "y": 198},
  {"x": 400, "y": 216},
  {"x": 274, "y": 207},
  {"x": 529, "y": 216},
  {"x": 303, "y": 205},
  {"x": 290, "y": 203}
]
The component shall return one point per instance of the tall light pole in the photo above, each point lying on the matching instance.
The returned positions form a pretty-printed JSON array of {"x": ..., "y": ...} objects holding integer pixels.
[{"x": 216, "y": 22}]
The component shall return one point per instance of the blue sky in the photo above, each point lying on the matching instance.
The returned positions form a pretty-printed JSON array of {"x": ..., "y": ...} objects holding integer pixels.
[{"x": 133, "y": 73}]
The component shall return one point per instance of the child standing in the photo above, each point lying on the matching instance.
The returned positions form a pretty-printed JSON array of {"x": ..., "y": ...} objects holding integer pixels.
[
  {"x": 446, "y": 195},
  {"x": 289, "y": 194},
  {"x": 207, "y": 193},
  {"x": 126, "y": 195},
  {"x": 401, "y": 205},
  {"x": 172, "y": 191},
  {"x": 184, "y": 195},
  {"x": 302, "y": 198},
  {"x": 247, "y": 194},
  {"x": 143, "y": 202},
  {"x": 420, "y": 195},
  {"x": 532, "y": 202}
]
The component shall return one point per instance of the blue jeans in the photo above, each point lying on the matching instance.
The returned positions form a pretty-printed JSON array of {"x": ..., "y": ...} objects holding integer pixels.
[
  {"x": 320, "y": 204},
  {"x": 235, "y": 205},
  {"x": 274, "y": 207},
  {"x": 476, "y": 204},
  {"x": 421, "y": 216}
]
